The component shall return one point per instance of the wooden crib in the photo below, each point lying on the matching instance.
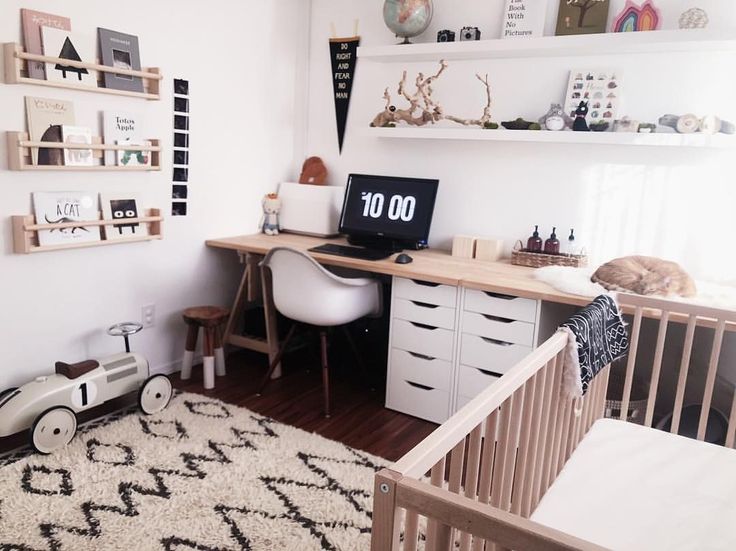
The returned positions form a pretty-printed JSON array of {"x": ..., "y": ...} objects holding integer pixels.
[{"x": 474, "y": 482}]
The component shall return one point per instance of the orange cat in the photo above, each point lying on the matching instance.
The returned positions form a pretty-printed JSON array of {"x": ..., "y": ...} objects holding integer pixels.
[{"x": 645, "y": 275}]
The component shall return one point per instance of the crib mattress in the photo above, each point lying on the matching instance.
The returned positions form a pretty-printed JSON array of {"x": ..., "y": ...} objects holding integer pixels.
[{"x": 631, "y": 488}]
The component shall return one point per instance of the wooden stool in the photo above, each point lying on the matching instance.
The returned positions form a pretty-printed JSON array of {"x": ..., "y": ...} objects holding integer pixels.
[{"x": 211, "y": 319}]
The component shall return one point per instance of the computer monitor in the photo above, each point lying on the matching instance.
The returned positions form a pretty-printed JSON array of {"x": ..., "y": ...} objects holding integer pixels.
[{"x": 386, "y": 212}]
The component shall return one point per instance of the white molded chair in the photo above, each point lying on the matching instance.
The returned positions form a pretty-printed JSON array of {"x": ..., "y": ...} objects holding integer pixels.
[{"x": 305, "y": 292}]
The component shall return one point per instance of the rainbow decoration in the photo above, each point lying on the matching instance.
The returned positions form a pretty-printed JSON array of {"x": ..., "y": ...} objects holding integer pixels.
[{"x": 637, "y": 18}]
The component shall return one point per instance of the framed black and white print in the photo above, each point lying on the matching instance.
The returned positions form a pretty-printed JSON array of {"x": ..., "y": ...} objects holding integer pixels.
[
  {"x": 181, "y": 122},
  {"x": 181, "y": 86},
  {"x": 181, "y": 157},
  {"x": 181, "y": 174},
  {"x": 179, "y": 191},
  {"x": 178, "y": 208},
  {"x": 181, "y": 139},
  {"x": 181, "y": 105}
]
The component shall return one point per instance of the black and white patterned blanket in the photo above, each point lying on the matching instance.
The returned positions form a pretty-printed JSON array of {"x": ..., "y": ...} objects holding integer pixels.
[{"x": 598, "y": 336}]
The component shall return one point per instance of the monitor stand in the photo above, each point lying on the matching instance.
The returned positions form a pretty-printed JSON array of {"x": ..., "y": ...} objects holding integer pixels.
[{"x": 383, "y": 243}]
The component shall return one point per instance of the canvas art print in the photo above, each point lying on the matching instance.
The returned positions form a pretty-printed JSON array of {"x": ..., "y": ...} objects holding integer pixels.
[
  {"x": 63, "y": 44},
  {"x": 582, "y": 17},
  {"x": 45, "y": 119},
  {"x": 122, "y": 51},
  {"x": 523, "y": 18},
  {"x": 32, "y": 22},
  {"x": 64, "y": 207},
  {"x": 121, "y": 207},
  {"x": 600, "y": 88},
  {"x": 77, "y": 135}
]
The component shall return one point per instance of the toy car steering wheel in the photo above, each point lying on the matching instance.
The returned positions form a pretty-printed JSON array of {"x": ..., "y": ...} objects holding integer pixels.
[{"x": 124, "y": 329}]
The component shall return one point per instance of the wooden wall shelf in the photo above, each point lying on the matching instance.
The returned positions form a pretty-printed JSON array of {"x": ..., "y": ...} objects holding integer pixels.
[
  {"x": 25, "y": 232},
  {"x": 686, "y": 40},
  {"x": 566, "y": 137},
  {"x": 16, "y": 72},
  {"x": 19, "y": 154}
]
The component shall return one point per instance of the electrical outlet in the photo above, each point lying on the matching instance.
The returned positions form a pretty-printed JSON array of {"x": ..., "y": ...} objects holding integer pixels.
[{"x": 148, "y": 315}]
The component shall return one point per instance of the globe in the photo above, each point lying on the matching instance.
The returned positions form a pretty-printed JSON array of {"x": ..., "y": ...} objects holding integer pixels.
[{"x": 407, "y": 18}]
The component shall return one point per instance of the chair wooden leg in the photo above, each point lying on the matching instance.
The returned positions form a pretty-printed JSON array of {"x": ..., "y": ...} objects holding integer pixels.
[
  {"x": 358, "y": 359},
  {"x": 276, "y": 360},
  {"x": 190, "y": 347},
  {"x": 325, "y": 371},
  {"x": 208, "y": 361}
]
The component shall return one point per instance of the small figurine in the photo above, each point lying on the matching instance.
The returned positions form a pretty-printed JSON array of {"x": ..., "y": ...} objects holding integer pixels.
[
  {"x": 271, "y": 207},
  {"x": 694, "y": 18},
  {"x": 580, "y": 124},
  {"x": 600, "y": 126},
  {"x": 647, "y": 128},
  {"x": 555, "y": 119},
  {"x": 626, "y": 125},
  {"x": 521, "y": 124}
]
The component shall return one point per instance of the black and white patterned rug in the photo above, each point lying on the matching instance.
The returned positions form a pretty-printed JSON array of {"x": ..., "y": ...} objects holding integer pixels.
[{"x": 201, "y": 475}]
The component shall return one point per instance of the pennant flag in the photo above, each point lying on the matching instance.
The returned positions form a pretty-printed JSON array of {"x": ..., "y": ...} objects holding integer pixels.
[{"x": 343, "y": 53}]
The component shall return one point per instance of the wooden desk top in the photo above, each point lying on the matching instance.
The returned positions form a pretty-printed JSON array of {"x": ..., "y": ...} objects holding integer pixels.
[{"x": 429, "y": 265}]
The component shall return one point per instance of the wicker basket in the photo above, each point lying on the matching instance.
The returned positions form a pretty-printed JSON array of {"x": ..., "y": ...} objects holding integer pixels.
[{"x": 522, "y": 257}]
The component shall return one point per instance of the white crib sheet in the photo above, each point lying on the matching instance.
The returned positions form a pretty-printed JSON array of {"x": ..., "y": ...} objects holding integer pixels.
[{"x": 631, "y": 488}]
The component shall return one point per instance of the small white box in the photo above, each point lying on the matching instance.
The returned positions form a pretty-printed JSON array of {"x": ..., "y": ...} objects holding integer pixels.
[{"x": 310, "y": 210}]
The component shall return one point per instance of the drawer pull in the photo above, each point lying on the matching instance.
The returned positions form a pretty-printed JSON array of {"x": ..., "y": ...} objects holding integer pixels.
[
  {"x": 424, "y": 304},
  {"x": 423, "y": 356},
  {"x": 423, "y": 326},
  {"x": 499, "y": 295},
  {"x": 488, "y": 373},
  {"x": 497, "y": 319},
  {"x": 497, "y": 343},
  {"x": 425, "y": 283},
  {"x": 417, "y": 385}
]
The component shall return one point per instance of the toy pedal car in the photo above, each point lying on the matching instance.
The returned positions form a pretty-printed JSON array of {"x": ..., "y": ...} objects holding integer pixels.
[{"x": 49, "y": 405}]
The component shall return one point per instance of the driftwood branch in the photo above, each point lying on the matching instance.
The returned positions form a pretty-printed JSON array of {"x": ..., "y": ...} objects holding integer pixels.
[{"x": 431, "y": 110}]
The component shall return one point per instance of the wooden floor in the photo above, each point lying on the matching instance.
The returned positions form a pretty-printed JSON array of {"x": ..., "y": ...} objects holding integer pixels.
[{"x": 358, "y": 419}]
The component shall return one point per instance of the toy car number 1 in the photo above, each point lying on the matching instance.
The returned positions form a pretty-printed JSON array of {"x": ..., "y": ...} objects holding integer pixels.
[{"x": 83, "y": 396}]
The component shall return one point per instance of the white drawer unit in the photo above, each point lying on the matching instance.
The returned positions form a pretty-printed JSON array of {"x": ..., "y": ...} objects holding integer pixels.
[
  {"x": 417, "y": 399},
  {"x": 502, "y": 306},
  {"x": 500, "y": 329},
  {"x": 428, "y": 293},
  {"x": 471, "y": 381},
  {"x": 419, "y": 368},
  {"x": 485, "y": 353},
  {"x": 425, "y": 313},
  {"x": 422, "y": 339}
]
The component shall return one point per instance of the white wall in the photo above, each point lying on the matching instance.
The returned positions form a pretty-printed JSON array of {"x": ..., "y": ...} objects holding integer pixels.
[
  {"x": 243, "y": 61},
  {"x": 673, "y": 203}
]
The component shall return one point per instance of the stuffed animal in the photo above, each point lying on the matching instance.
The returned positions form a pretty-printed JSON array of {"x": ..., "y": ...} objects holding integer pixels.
[
  {"x": 580, "y": 124},
  {"x": 555, "y": 118},
  {"x": 271, "y": 207}
]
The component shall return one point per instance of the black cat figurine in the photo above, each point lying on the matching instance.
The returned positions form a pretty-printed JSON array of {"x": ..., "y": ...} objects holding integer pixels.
[{"x": 580, "y": 124}]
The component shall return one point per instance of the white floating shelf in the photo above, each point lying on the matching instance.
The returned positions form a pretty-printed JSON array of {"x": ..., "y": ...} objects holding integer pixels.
[
  {"x": 545, "y": 136},
  {"x": 688, "y": 40}
]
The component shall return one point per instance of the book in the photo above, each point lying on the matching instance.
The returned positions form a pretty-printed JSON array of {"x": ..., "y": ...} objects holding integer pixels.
[
  {"x": 65, "y": 45},
  {"x": 122, "y": 51},
  {"x": 118, "y": 126},
  {"x": 523, "y": 18},
  {"x": 77, "y": 135},
  {"x": 119, "y": 206},
  {"x": 600, "y": 88},
  {"x": 134, "y": 157},
  {"x": 45, "y": 118},
  {"x": 582, "y": 17},
  {"x": 32, "y": 21},
  {"x": 63, "y": 207}
]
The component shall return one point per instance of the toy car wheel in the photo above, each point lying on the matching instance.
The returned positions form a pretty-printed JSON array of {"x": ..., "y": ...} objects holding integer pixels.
[
  {"x": 53, "y": 429},
  {"x": 155, "y": 394}
]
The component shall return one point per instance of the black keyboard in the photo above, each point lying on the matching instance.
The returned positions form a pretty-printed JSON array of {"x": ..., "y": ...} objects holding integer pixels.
[{"x": 352, "y": 252}]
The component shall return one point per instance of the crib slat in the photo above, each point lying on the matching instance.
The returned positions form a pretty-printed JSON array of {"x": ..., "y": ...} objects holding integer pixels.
[
  {"x": 527, "y": 497},
  {"x": 411, "y": 531},
  {"x": 471, "y": 477},
  {"x": 577, "y": 414},
  {"x": 710, "y": 380},
  {"x": 633, "y": 347},
  {"x": 562, "y": 444},
  {"x": 684, "y": 369},
  {"x": 457, "y": 457},
  {"x": 511, "y": 450},
  {"x": 657, "y": 367},
  {"x": 499, "y": 470},
  {"x": 543, "y": 430},
  {"x": 436, "y": 478},
  {"x": 486, "y": 468},
  {"x": 731, "y": 432},
  {"x": 555, "y": 410},
  {"x": 521, "y": 482}
]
